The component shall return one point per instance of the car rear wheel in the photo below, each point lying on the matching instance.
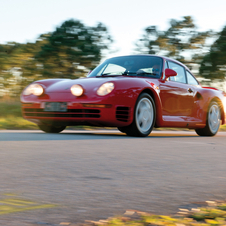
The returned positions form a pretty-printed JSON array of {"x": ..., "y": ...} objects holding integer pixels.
[
  {"x": 212, "y": 122},
  {"x": 144, "y": 117},
  {"x": 51, "y": 129}
]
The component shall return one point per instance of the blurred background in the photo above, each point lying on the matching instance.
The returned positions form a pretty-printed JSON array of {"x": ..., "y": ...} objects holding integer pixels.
[{"x": 66, "y": 39}]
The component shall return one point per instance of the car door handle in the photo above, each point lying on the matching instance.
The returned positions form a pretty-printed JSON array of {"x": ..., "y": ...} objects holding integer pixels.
[{"x": 190, "y": 90}]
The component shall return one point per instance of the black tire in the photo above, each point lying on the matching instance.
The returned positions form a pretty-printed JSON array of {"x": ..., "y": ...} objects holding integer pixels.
[
  {"x": 122, "y": 129},
  {"x": 144, "y": 117},
  {"x": 51, "y": 129},
  {"x": 212, "y": 121}
]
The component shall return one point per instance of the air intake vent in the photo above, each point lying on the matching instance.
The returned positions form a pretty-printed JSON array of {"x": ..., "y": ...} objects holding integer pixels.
[{"x": 123, "y": 114}]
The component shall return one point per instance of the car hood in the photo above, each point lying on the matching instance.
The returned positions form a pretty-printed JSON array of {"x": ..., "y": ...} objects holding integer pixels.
[{"x": 64, "y": 86}]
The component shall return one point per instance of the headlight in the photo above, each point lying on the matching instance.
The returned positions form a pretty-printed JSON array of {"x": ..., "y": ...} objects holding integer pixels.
[
  {"x": 34, "y": 89},
  {"x": 77, "y": 90},
  {"x": 105, "y": 89}
]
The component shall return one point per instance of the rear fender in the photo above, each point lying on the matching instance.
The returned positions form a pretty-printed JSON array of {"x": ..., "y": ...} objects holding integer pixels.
[{"x": 221, "y": 108}]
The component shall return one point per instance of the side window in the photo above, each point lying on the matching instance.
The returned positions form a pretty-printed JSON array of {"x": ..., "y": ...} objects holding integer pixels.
[
  {"x": 180, "y": 72},
  {"x": 191, "y": 79}
]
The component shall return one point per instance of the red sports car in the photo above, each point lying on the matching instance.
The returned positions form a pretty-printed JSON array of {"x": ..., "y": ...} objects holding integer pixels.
[{"x": 134, "y": 93}]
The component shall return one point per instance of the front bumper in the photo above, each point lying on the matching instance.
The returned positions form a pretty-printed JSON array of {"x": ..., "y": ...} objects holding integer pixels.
[{"x": 96, "y": 112}]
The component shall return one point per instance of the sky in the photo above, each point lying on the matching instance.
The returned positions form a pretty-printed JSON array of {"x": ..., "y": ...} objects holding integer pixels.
[{"x": 24, "y": 20}]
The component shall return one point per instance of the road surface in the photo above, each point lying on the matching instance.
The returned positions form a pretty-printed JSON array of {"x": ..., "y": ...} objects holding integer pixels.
[{"x": 48, "y": 179}]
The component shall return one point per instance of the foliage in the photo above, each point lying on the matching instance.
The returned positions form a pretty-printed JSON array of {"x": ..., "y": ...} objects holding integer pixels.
[
  {"x": 70, "y": 51},
  {"x": 18, "y": 66},
  {"x": 213, "y": 64},
  {"x": 182, "y": 41},
  {"x": 179, "y": 41},
  {"x": 73, "y": 49}
]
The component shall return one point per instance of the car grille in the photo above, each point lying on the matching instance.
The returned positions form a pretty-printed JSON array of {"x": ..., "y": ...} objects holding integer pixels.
[
  {"x": 123, "y": 114},
  {"x": 71, "y": 113}
]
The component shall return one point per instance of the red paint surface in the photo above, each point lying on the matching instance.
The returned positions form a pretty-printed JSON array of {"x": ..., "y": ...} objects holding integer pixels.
[{"x": 175, "y": 105}]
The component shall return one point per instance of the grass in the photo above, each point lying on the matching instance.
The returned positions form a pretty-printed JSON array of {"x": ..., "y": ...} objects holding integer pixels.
[
  {"x": 11, "y": 116},
  {"x": 11, "y": 122},
  {"x": 10, "y": 109},
  {"x": 213, "y": 214},
  {"x": 223, "y": 128}
]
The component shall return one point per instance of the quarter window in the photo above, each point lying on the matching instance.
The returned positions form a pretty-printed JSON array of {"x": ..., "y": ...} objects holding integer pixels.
[
  {"x": 166, "y": 65},
  {"x": 191, "y": 79},
  {"x": 180, "y": 72}
]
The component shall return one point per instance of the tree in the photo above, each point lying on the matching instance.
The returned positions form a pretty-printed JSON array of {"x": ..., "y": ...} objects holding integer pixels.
[
  {"x": 18, "y": 67},
  {"x": 73, "y": 49},
  {"x": 213, "y": 65},
  {"x": 180, "y": 41},
  {"x": 69, "y": 52}
]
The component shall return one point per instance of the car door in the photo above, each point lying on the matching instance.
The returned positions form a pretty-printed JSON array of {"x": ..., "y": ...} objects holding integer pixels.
[{"x": 176, "y": 95}]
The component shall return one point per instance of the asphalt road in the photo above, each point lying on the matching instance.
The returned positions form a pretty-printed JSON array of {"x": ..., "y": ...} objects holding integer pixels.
[{"x": 48, "y": 179}]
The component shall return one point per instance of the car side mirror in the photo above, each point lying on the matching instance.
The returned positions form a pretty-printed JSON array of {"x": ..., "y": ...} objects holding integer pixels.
[{"x": 170, "y": 73}]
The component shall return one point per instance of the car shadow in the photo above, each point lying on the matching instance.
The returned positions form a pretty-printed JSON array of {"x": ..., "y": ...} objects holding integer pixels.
[{"x": 84, "y": 135}]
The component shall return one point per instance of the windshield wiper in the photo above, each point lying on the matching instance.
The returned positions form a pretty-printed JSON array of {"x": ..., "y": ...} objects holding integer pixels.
[
  {"x": 126, "y": 73},
  {"x": 146, "y": 73},
  {"x": 109, "y": 74},
  {"x": 129, "y": 73}
]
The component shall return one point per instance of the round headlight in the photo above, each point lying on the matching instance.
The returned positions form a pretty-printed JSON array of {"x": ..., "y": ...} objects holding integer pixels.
[
  {"x": 77, "y": 90},
  {"x": 105, "y": 89},
  {"x": 34, "y": 89}
]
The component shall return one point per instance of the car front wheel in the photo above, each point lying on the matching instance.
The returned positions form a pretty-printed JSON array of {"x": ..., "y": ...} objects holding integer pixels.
[
  {"x": 212, "y": 122},
  {"x": 144, "y": 117},
  {"x": 51, "y": 129}
]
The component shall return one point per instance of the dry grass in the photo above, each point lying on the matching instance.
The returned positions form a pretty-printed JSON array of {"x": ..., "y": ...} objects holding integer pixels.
[{"x": 213, "y": 214}]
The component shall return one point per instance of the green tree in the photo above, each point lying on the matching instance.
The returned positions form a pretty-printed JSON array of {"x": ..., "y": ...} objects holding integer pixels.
[
  {"x": 180, "y": 41},
  {"x": 70, "y": 51},
  {"x": 10, "y": 68},
  {"x": 73, "y": 49},
  {"x": 213, "y": 65},
  {"x": 18, "y": 67}
]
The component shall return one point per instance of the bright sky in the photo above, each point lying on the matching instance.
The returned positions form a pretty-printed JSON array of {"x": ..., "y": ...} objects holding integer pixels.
[{"x": 24, "y": 20}]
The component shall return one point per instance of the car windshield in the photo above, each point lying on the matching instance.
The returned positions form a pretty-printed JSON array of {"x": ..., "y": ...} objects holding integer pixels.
[{"x": 145, "y": 66}]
